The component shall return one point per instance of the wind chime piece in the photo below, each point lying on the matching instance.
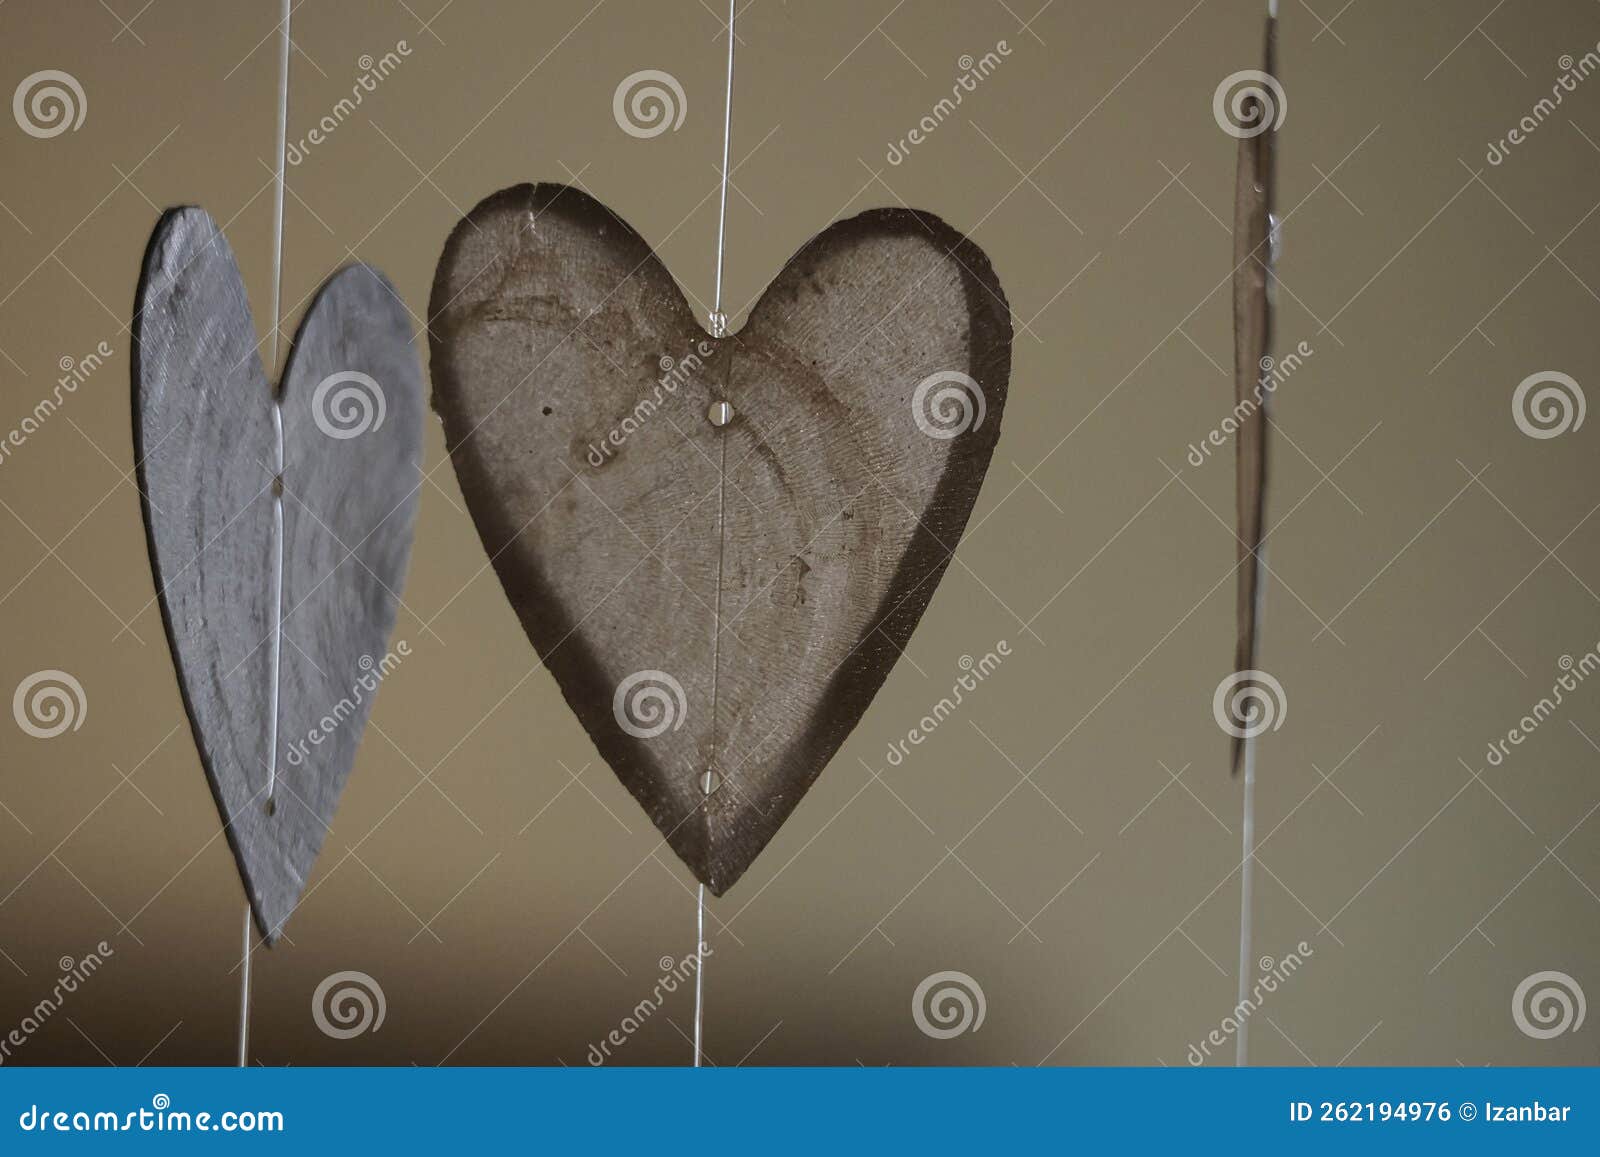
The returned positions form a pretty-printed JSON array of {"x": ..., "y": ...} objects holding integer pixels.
[
  {"x": 204, "y": 414},
  {"x": 1253, "y": 240},
  {"x": 719, "y": 547}
]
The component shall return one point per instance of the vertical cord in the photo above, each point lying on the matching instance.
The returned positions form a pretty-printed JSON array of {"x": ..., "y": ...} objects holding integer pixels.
[
  {"x": 719, "y": 321},
  {"x": 244, "y": 993},
  {"x": 276, "y": 645},
  {"x": 719, "y": 328},
  {"x": 278, "y": 189},
  {"x": 699, "y": 975},
  {"x": 277, "y": 394},
  {"x": 708, "y": 781}
]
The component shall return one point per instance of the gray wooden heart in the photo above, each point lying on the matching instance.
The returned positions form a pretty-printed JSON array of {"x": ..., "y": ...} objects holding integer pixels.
[
  {"x": 718, "y": 547},
  {"x": 206, "y": 434}
]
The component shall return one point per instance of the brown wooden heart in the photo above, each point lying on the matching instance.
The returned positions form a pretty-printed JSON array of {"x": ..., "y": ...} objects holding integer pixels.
[{"x": 716, "y": 592}]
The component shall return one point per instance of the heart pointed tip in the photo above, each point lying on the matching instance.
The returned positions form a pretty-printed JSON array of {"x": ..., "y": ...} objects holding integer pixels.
[{"x": 717, "y": 878}]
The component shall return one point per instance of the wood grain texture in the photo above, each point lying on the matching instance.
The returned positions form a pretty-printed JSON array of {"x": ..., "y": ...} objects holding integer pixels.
[
  {"x": 206, "y": 448},
  {"x": 1254, "y": 201},
  {"x": 716, "y": 597}
]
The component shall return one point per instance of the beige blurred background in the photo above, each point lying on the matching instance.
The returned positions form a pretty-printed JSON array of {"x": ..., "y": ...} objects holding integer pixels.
[{"x": 1071, "y": 839}]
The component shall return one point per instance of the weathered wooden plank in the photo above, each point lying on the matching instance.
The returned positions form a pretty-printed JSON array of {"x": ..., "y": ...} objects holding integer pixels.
[
  {"x": 716, "y": 596},
  {"x": 206, "y": 446}
]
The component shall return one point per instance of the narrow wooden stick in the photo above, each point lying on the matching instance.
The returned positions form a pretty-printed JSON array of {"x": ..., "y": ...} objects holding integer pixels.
[{"x": 1255, "y": 227}]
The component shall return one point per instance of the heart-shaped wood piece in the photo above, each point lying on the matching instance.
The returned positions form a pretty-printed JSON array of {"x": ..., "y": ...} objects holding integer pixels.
[
  {"x": 204, "y": 419},
  {"x": 718, "y": 547}
]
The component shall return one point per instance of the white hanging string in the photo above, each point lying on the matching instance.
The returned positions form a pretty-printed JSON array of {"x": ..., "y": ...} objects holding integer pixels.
[
  {"x": 275, "y": 650},
  {"x": 279, "y": 189},
  {"x": 719, "y": 321},
  {"x": 719, "y": 328},
  {"x": 244, "y": 993},
  {"x": 699, "y": 976}
]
